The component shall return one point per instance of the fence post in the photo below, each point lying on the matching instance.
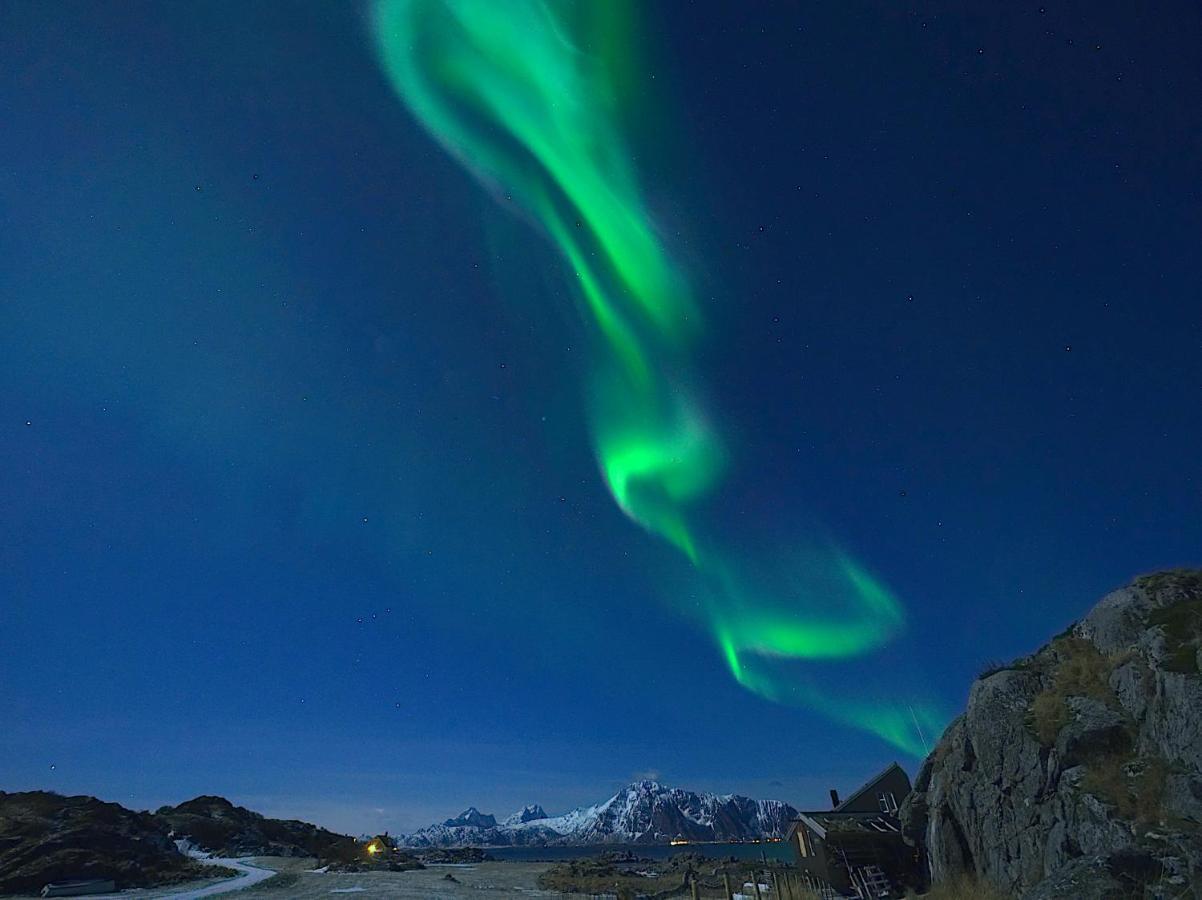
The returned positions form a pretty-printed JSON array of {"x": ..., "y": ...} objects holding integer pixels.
[
  {"x": 786, "y": 880},
  {"x": 726, "y": 885}
]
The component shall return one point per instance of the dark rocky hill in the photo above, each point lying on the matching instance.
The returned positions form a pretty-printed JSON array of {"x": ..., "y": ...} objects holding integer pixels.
[
  {"x": 46, "y": 837},
  {"x": 217, "y": 825},
  {"x": 1077, "y": 771}
]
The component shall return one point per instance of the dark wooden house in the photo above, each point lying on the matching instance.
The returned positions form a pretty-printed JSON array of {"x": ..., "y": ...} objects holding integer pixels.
[{"x": 855, "y": 849}]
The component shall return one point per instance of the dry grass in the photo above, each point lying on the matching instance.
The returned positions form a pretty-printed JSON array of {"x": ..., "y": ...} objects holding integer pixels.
[
  {"x": 1083, "y": 671},
  {"x": 964, "y": 887},
  {"x": 1135, "y": 788},
  {"x": 1182, "y": 624},
  {"x": 1181, "y": 618}
]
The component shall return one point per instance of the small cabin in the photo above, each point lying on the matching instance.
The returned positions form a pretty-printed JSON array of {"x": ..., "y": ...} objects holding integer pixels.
[
  {"x": 855, "y": 848},
  {"x": 382, "y": 846}
]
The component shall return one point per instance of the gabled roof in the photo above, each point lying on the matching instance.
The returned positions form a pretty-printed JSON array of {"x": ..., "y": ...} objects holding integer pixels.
[
  {"x": 869, "y": 784},
  {"x": 808, "y": 821}
]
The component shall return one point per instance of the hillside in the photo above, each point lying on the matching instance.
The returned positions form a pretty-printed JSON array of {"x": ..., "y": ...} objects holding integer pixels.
[
  {"x": 1077, "y": 771},
  {"x": 46, "y": 837},
  {"x": 218, "y": 826}
]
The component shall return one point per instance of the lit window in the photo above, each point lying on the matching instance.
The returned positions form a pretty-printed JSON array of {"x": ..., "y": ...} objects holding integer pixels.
[{"x": 887, "y": 802}]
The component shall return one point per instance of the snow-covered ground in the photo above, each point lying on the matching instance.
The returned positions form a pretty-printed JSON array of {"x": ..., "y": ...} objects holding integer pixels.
[{"x": 250, "y": 875}]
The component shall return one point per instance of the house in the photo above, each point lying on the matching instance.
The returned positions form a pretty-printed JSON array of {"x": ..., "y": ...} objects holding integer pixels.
[
  {"x": 381, "y": 846},
  {"x": 855, "y": 849}
]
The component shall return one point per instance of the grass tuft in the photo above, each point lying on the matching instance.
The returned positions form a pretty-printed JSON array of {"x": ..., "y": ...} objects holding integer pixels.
[
  {"x": 1134, "y": 787},
  {"x": 1082, "y": 671},
  {"x": 1181, "y": 617},
  {"x": 992, "y": 667}
]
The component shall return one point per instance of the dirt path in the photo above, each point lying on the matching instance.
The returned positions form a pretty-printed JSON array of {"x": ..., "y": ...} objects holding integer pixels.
[{"x": 248, "y": 876}]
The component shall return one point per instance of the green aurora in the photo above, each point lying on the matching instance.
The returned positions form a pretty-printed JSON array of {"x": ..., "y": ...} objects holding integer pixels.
[{"x": 510, "y": 91}]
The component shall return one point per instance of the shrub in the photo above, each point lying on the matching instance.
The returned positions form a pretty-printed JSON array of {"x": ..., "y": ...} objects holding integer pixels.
[
  {"x": 992, "y": 667},
  {"x": 1182, "y": 624},
  {"x": 1049, "y": 713},
  {"x": 1186, "y": 582},
  {"x": 1081, "y": 671}
]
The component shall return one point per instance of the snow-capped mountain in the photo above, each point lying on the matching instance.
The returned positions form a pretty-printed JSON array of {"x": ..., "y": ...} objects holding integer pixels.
[
  {"x": 641, "y": 813},
  {"x": 471, "y": 818},
  {"x": 526, "y": 814}
]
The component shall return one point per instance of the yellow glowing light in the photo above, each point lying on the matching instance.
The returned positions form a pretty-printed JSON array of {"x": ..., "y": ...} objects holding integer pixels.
[{"x": 373, "y": 848}]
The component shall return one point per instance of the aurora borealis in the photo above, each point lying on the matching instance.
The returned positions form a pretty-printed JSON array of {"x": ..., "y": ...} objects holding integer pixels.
[
  {"x": 703, "y": 389},
  {"x": 514, "y": 92},
  {"x": 506, "y": 92}
]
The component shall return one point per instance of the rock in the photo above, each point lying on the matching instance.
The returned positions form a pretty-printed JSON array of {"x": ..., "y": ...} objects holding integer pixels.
[
  {"x": 452, "y": 855},
  {"x": 1093, "y": 728},
  {"x": 1077, "y": 771},
  {"x": 1085, "y": 876}
]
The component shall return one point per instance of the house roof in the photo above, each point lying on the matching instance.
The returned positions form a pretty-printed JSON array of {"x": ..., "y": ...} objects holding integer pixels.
[
  {"x": 833, "y": 821},
  {"x": 869, "y": 784}
]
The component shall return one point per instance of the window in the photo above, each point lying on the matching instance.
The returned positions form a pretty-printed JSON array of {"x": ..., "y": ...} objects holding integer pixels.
[
  {"x": 887, "y": 802},
  {"x": 803, "y": 843}
]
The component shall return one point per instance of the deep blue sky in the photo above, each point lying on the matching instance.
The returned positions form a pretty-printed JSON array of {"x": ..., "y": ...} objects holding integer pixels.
[{"x": 297, "y": 502}]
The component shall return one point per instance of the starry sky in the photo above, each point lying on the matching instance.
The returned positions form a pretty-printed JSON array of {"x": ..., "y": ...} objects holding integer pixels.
[{"x": 299, "y": 502}]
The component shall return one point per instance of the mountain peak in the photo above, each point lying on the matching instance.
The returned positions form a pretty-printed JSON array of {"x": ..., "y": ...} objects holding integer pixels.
[
  {"x": 647, "y": 786},
  {"x": 472, "y": 817},
  {"x": 531, "y": 813}
]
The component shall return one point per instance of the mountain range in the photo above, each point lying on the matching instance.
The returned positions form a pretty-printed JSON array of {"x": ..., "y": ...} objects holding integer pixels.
[{"x": 644, "y": 812}]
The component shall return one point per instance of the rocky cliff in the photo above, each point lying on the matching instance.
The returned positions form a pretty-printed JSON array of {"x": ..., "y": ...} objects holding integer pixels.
[{"x": 1077, "y": 771}]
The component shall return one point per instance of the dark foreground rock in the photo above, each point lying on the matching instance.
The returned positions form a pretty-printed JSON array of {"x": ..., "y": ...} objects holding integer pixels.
[
  {"x": 217, "y": 825},
  {"x": 46, "y": 837},
  {"x": 1077, "y": 771},
  {"x": 453, "y": 855}
]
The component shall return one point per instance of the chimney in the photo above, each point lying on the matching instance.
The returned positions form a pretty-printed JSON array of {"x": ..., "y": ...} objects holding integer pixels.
[{"x": 834, "y": 798}]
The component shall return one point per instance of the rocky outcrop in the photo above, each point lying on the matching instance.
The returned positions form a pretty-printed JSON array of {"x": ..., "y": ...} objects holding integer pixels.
[
  {"x": 1077, "y": 771},
  {"x": 218, "y": 826},
  {"x": 46, "y": 837}
]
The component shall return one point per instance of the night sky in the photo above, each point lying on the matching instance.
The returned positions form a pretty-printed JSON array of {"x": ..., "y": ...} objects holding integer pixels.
[{"x": 300, "y": 498}]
